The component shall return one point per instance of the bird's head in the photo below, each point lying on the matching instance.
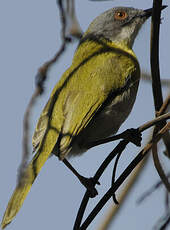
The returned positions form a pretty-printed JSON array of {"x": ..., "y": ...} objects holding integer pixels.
[{"x": 119, "y": 24}]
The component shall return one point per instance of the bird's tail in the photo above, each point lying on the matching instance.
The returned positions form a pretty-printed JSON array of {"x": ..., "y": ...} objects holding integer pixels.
[{"x": 31, "y": 172}]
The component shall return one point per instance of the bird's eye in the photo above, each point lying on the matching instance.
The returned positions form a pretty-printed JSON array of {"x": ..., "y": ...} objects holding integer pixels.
[{"x": 120, "y": 15}]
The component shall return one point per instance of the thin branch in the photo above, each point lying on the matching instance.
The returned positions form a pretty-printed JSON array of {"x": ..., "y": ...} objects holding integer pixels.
[
  {"x": 147, "y": 77},
  {"x": 118, "y": 149},
  {"x": 141, "y": 129},
  {"x": 159, "y": 167},
  {"x": 166, "y": 223},
  {"x": 40, "y": 79},
  {"x": 25, "y": 141},
  {"x": 163, "y": 222},
  {"x": 42, "y": 72},
  {"x": 156, "y": 87},
  {"x": 155, "y": 27},
  {"x": 167, "y": 196},
  {"x": 151, "y": 190},
  {"x": 153, "y": 122},
  {"x": 155, "y": 70},
  {"x": 114, "y": 209},
  {"x": 114, "y": 176},
  {"x": 164, "y": 107},
  {"x": 74, "y": 28},
  {"x": 166, "y": 137},
  {"x": 122, "y": 178}
]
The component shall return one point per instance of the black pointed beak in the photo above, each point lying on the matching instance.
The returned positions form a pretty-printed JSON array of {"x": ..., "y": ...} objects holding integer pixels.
[{"x": 148, "y": 12}]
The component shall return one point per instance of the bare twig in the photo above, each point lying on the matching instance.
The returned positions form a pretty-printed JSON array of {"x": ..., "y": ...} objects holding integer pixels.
[
  {"x": 122, "y": 178},
  {"x": 154, "y": 122},
  {"x": 114, "y": 176},
  {"x": 40, "y": 80},
  {"x": 159, "y": 167},
  {"x": 25, "y": 142},
  {"x": 151, "y": 190},
  {"x": 118, "y": 149},
  {"x": 147, "y": 77},
  {"x": 74, "y": 26},
  {"x": 156, "y": 87},
  {"x": 141, "y": 129},
  {"x": 163, "y": 222},
  {"x": 164, "y": 107},
  {"x": 114, "y": 209},
  {"x": 42, "y": 72},
  {"x": 156, "y": 83},
  {"x": 155, "y": 27},
  {"x": 167, "y": 196},
  {"x": 166, "y": 223}
]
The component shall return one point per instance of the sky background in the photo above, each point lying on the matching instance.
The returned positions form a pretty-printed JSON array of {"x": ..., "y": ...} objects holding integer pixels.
[{"x": 30, "y": 35}]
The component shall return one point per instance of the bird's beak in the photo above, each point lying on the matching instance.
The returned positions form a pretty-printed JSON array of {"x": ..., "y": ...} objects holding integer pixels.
[{"x": 148, "y": 12}]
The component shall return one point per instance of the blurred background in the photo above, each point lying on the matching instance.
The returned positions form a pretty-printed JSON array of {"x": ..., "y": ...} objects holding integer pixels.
[{"x": 30, "y": 35}]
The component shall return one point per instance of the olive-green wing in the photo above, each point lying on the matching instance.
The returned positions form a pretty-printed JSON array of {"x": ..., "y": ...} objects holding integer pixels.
[
  {"x": 78, "y": 111},
  {"x": 41, "y": 126}
]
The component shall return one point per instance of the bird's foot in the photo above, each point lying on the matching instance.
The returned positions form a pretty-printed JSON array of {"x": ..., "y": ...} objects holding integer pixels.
[
  {"x": 89, "y": 184},
  {"x": 133, "y": 135}
]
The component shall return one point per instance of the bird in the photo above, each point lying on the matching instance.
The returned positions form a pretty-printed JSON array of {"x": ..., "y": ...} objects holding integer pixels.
[{"x": 91, "y": 100}]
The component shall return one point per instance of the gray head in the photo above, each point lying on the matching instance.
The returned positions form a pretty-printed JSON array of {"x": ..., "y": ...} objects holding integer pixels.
[{"x": 120, "y": 24}]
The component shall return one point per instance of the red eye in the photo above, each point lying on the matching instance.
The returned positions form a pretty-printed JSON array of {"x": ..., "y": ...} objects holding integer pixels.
[{"x": 120, "y": 15}]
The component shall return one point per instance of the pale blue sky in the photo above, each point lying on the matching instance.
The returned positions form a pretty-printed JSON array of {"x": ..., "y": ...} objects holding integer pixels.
[{"x": 30, "y": 35}]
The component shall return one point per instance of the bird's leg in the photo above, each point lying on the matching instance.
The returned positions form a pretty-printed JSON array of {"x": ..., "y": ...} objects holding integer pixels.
[
  {"x": 89, "y": 183},
  {"x": 131, "y": 135}
]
